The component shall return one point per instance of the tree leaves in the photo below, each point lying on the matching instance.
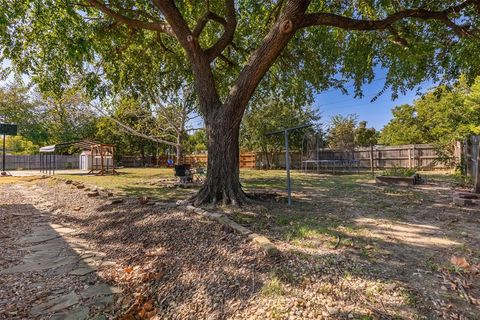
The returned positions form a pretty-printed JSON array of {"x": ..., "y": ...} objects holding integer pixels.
[
  {"x": 61, "y": 41},
  {"x": 443, "y": 115}
]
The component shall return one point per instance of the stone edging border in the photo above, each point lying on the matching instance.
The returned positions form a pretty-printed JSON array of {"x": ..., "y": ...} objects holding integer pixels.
[{"x": 262, "y": 242}]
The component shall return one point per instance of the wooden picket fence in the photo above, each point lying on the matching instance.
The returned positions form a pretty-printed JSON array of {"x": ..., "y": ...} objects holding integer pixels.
[{"x": 422, "y": 156}]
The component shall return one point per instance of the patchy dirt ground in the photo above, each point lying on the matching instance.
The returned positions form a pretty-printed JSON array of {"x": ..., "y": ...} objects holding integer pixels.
[
  {"x": 371, "y": 251},
  {"x": 349, "y": 250}
]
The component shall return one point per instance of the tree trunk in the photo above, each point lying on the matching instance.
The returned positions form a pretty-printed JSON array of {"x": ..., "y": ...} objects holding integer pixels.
[
  {"x": 142, "y": 154},
  {"x": 179, "y": 149},
  {"x": 223, "y": 178},
  {"x": 265, "y": 152}
]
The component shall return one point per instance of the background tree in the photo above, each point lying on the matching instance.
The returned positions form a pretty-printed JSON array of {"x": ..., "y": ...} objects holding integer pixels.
[
  {"x": 341, "y": 132},
  {"x": 230, "y": 48},
  {"x": 404, "y": 128},
  {"x": 19, "y": 145},
  {"x": 161, "y": 120},
  {"x": 364, "y": 136},
  {"x": 66, "y": 117},
  {"x": 196, "y": 142},
  {"x": 442, "y": 116},
  {"x": 44, "y": 118},
  {"x": 272, "y": 114},
  {"x": 174, "y": 114},
  {"x": 138, "y": 117},
  {"x": 18, "y": 105}
]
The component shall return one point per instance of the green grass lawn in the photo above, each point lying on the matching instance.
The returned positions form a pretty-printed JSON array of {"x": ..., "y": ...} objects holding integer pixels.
[
  {"x": 145, "y": 181},
  {"x": 136, "y": 182}
]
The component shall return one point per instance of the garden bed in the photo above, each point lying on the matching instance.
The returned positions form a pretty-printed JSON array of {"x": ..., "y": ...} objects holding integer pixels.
[
  {"x": 397, "y": 180},
  {"x": 399, "y": 176}
]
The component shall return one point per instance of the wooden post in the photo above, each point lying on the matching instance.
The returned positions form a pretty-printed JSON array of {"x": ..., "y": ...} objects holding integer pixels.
[
  {"x": 413, "y": 151},
  {"x": 372, "y": 166},
  {"x": 476, "y": 186},
  {"x": 458, "y": 153},
  {"x": 410, "y": 156},
  {"x": 468, "y": 157}
]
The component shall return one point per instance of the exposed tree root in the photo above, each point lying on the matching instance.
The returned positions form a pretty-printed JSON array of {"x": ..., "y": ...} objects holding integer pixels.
[{"x": 234, "y": 196}]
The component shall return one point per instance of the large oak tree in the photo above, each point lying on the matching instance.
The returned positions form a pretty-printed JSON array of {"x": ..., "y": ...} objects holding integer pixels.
[{"x": 233, "y": 49}]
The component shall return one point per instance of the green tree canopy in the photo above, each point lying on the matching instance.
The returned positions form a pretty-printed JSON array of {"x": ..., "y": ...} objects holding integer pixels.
[
  {"x": 196, "y": 142},
  {"x": 44, "y": 118},
  {"x": 441, "y": 116},
  {"x": 272, "y": 114},
  {"x": 365, "y": 136},
  {"x": 19, "y": 106},
  {"x": 341, "y": 132}
]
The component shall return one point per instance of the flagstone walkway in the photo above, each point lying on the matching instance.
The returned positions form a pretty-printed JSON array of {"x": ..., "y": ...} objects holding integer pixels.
[{"x": 52, "y": 253}]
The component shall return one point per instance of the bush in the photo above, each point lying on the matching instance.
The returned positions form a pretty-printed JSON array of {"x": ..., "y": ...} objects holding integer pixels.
[{"x": 399, "y": 172}]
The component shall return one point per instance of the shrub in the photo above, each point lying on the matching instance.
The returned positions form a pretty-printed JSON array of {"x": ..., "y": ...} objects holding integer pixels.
[{"x": 399, "y": 172}]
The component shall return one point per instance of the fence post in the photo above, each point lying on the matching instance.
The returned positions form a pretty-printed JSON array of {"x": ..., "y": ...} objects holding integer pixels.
[
  {"x": 476, "y": 186},
  {"x": 410, "y": 156},
  {"x": 372, "y": 165},
  {"x": 413, "y": 152},
  {"x": 458, "y": 153},
  {"x": 468, "y": 157}
]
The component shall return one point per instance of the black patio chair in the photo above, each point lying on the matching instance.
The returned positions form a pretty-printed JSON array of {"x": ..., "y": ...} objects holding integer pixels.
[{"x": 182, "y": 171}]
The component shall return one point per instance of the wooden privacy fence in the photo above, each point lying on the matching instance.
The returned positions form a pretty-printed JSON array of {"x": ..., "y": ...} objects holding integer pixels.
[
  {"x": 32, "y": 162},
  {"x": 247, "y": 160},
  {"x": 471, "y": 156},
  {"x": 423, "y": 156}
]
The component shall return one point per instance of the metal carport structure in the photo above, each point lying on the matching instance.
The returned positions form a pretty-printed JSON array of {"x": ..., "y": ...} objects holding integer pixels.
[{"x": 48, "y": 154}]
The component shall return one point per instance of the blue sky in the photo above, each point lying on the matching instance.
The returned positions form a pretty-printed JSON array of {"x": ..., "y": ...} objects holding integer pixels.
[{"x": 377, "y": 114}]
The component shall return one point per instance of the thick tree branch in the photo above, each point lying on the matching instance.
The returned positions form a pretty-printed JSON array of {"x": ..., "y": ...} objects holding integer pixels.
[
  {"x": 133, "y": 23},
  {"x": 334, "y": 20},
  {"x": 227, "y": 36},
  {"x": 176, "y": 21},
  {"x": 204, "y": 20},
  {"x": 131, "y": 130},
  {"x": 265, "y": 55},
  {"x": 204, "y": 82}
]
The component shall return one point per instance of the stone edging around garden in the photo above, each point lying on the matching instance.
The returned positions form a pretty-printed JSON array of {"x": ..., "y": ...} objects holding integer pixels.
[{"x": 262, "y": 242}]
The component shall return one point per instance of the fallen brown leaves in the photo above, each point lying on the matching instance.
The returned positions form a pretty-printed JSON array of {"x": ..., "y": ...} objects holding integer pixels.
[
  {"x": 459, "y": 262},
  {"x": 141, "y": 279},
  {"x": 463, "y": 281}
]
